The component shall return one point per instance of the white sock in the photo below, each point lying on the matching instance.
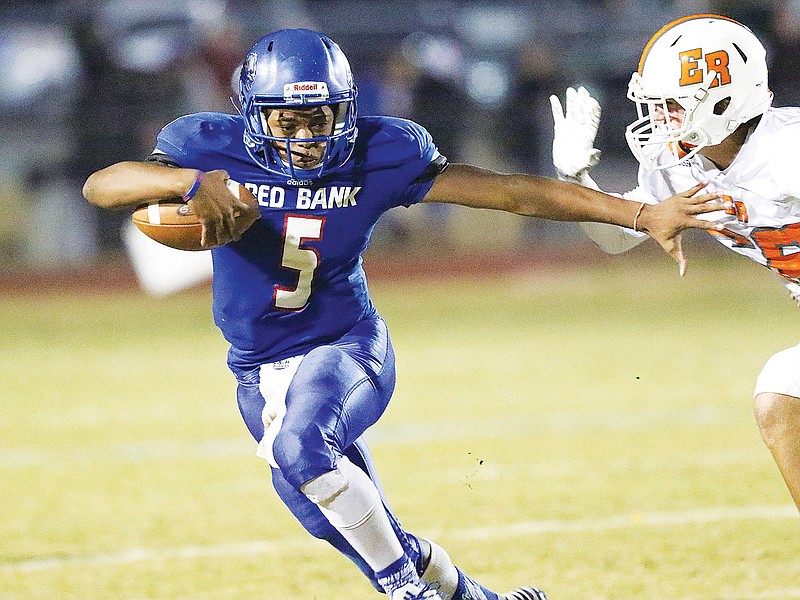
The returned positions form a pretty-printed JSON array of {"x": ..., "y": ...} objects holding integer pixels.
[
  {"x": 441, "y": 573},
  {"x": 351, "y": 503}
]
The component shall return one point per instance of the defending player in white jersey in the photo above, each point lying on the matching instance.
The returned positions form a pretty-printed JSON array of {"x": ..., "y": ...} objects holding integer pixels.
[{"x": 704, "y": 115}]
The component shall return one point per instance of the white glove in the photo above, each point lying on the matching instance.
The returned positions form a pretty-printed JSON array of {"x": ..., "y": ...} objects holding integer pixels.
[{"x": 573, "y": 143}]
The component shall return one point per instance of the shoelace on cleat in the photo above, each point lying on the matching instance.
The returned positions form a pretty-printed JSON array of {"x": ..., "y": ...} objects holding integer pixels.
[{"x": 527, "y": 593}]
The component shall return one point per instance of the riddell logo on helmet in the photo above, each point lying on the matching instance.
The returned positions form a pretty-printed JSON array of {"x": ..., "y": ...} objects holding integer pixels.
[{"x": 299, "y": 89}]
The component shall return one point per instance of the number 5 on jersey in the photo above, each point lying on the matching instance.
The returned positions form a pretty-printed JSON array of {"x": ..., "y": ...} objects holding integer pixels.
[{"x": 297, "y": 230}]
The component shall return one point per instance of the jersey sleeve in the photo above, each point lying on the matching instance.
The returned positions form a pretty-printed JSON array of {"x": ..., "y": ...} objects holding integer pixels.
[
  {"x": 651, "y": 188},
  {"x": 784, "y": 153},
  {"x": 192, "y": 140},
  {"x": 172, "y": 140},
  {"x": 419, "y": 162},
  {"x": 420, "y": 186},
  {"x": 614, "y": 239},
  {"x": 162, "y": 158}
]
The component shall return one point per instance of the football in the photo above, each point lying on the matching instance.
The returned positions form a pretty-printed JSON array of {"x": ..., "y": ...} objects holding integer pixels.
[{"x": 172, "y": 222}]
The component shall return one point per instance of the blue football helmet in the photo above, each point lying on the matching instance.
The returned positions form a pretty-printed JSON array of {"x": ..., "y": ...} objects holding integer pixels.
[{"x": 295, "y": 69}]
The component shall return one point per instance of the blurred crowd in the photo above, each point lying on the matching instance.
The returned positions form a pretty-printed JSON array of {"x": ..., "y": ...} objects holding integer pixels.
[{"x": 89, "y": 82}]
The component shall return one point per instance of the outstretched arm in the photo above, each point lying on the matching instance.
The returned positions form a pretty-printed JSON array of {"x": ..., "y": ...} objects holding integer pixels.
[{"x": 563, "y": 201}]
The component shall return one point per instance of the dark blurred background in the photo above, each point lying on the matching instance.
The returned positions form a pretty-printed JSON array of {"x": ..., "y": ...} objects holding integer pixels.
[{"x": 85, "y": 84}]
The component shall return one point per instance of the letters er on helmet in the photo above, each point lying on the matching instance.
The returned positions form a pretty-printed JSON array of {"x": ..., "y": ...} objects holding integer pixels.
[
  {"x": 710, "y": 66},
  {"x": 272, "y": 77}
]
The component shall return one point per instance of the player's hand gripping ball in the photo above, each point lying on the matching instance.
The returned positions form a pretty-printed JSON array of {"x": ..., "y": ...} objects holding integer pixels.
[{"x": 174, "y": 223}]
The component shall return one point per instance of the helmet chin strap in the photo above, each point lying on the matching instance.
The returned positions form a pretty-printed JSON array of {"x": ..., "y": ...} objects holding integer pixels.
[
  {"x": 684, "y": 148},
  {"x": 696, "y": 136},
  {"x": 236, "y": 105},
  {"x": 693, "y": 138}
]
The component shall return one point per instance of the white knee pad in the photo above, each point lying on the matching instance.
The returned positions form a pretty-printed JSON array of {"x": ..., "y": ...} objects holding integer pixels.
[
  {"x": 348, "y": 498},
  {"x": 346, "y": 495},
  {"x": 781, "y": 373},
  {"x": 323, "y": 489}
]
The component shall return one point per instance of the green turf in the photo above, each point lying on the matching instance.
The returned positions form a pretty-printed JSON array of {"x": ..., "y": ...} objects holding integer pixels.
[{"x": 585, "y": 429}]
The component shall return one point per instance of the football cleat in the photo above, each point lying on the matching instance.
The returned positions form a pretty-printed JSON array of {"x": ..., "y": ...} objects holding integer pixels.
[
  {"x": 523, "y": 593},
  {"x": 412, "y": 591}
]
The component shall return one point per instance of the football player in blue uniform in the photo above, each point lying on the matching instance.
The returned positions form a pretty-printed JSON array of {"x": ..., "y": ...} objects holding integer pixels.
[{"x": 311, "y": 355}]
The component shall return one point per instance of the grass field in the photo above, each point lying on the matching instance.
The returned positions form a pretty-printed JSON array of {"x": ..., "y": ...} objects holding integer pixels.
[{"x": 584, "y": 429}]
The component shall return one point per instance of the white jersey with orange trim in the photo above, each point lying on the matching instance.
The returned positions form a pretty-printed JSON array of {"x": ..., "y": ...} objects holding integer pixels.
[{"x": 763, "y": 182}]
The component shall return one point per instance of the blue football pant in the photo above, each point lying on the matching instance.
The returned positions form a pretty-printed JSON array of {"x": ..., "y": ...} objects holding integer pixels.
[{"x": 338, "y": 391}]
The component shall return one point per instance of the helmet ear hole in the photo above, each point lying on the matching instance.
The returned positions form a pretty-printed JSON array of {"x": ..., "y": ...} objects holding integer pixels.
[{"x": 721, "y": 106}]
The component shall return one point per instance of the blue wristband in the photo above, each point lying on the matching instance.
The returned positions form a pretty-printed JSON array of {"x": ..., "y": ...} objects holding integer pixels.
[{"x": 195, "y": 186}]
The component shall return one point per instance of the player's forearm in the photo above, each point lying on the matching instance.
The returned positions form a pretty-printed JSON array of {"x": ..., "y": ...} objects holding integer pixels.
[
  {"x": 529, "y": 195},
  {"x": 564, "y": 201},
  {"x": 130, "y": 183},
  {"x": 612, "y": 239}
]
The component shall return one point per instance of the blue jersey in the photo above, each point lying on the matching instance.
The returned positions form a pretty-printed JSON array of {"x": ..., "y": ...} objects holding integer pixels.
[{"x": 295, "y": 280}]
